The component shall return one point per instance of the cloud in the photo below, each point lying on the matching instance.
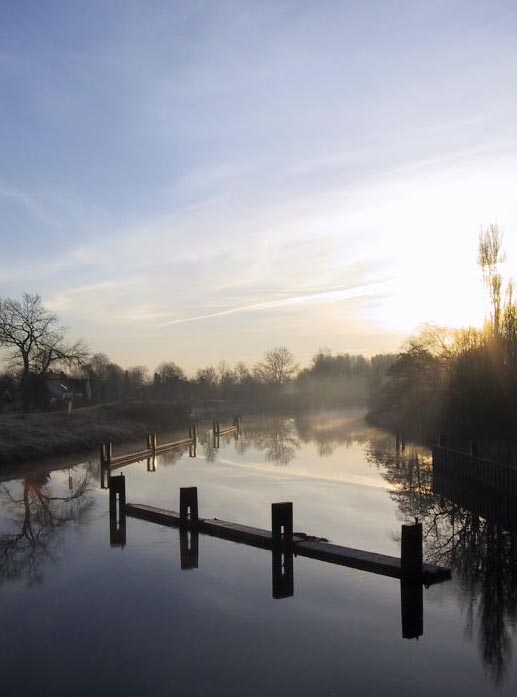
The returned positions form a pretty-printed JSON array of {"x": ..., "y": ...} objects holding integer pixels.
[{"x": 332, "y": 295}]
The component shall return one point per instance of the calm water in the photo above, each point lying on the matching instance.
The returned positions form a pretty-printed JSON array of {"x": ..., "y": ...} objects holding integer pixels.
[{"x": 80, "y": 617}]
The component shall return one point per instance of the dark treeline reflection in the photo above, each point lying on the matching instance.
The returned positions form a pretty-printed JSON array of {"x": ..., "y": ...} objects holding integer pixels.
[
  {"x": 481, "y": 552},
  {"x": 34, "y": 516}
]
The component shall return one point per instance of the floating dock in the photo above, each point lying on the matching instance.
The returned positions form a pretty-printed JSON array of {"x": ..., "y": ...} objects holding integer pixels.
[{"x": 303, "y": 545}]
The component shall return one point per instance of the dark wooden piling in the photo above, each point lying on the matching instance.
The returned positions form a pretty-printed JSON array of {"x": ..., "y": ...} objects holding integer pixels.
[
  {"x": 117, "y": 510},
  {"x": 188, "y": 505},
  {"x": 411, "y": 555},
  {"x": 106, "y": 452},
  {"x": 282, "y": 549},
  {"x": 282, "y": 524},
  {"x": 105, "y": 461}
]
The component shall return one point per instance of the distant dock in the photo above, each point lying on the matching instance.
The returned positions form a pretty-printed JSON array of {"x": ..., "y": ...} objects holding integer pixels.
[
  {"x": 109, "y": 462},
  {"x": 498, "y": 476}
]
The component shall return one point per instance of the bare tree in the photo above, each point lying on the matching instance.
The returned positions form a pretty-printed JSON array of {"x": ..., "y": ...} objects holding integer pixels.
[
  {"x": 490, "y": 255},
  {"x": 170, "y": 371},
  {"x": 34, "y": 339},
  {"x": 277, "y": 367}
]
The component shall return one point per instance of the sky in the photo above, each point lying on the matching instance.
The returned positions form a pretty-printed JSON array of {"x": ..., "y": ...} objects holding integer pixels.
[{"x": 198, "y": 181}]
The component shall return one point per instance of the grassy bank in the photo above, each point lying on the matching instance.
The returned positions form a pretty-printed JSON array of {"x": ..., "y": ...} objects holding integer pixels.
[{"x": 31, "y": 436}]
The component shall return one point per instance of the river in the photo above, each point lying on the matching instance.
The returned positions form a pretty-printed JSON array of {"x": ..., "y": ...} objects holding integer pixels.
[{"x": 81, "y": 616}]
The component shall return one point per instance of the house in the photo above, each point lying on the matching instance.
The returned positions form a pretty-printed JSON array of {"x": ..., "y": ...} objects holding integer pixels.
[{"x": 61, "y": 388}]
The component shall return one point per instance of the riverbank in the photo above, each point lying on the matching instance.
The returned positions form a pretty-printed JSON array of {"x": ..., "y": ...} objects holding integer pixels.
[{"x": 41, "y": 435}]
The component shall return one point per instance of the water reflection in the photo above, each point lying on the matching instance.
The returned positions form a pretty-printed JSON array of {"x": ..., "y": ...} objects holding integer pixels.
[
  {"x": 36, "y": 515},
  {"x": 276, "y": 437},
  {"x": 471, "y": 531},
  {"x": 466, "y": 529},
  {"x": 280, "y": 439}
]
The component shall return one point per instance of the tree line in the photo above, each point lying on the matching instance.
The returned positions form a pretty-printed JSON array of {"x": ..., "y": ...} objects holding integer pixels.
[
  {"x": 462, "y": 382},
  {"x": 34, "y": 347}
]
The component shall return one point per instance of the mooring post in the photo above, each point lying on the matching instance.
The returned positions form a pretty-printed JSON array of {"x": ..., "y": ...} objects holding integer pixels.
[
  {"x": 189, "y": 548},
  {"x": 154, "y": 443},
  {"x": 412, "y": 609},
  {"x": 105, "y": 457},
  {"x": 282, "y": 549},
  {"x": 192, "y": 449},
  {"x": 149, "y": 441},
  {"x": 106, "y": 451},
  {"x": 282, "y": 524},
  {"x": 188, "y": 504},
  {"x": 194, "y": 432},
  {"x": 117, "y": 510},
  {"x": 411, "y": 555}
]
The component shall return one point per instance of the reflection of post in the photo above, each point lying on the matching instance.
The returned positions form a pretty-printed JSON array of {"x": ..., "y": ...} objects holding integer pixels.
[
  {"x": 283, "y": 572},
  {"x": 189, "y": 547},
  {"x": 412, "y": 609},
  {"x": 282, "y": 538},
  {"x": 192, "y": 450},
  {"x": 216, "y": 440},
  {"x": 411, "y": 557},
  {"x": 117, "y": 510},
  {"x": 151, "y": 464}
]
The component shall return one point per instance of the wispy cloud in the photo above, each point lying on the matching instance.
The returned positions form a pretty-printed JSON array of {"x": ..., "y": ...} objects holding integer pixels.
[{"x": 317, "y": 297}]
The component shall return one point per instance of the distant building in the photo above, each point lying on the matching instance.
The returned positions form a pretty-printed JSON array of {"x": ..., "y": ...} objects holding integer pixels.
[{"x": 61, "y": 388}]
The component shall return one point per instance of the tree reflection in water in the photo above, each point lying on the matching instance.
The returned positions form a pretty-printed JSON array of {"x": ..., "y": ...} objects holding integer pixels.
[
  {"x": 35, "y": 517},
  {"x": 481, "y": 553},
  {"x": 281, "y": 438},
  {"x": 277, "y": 437},
  {"x": 332, "y": 430}
]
